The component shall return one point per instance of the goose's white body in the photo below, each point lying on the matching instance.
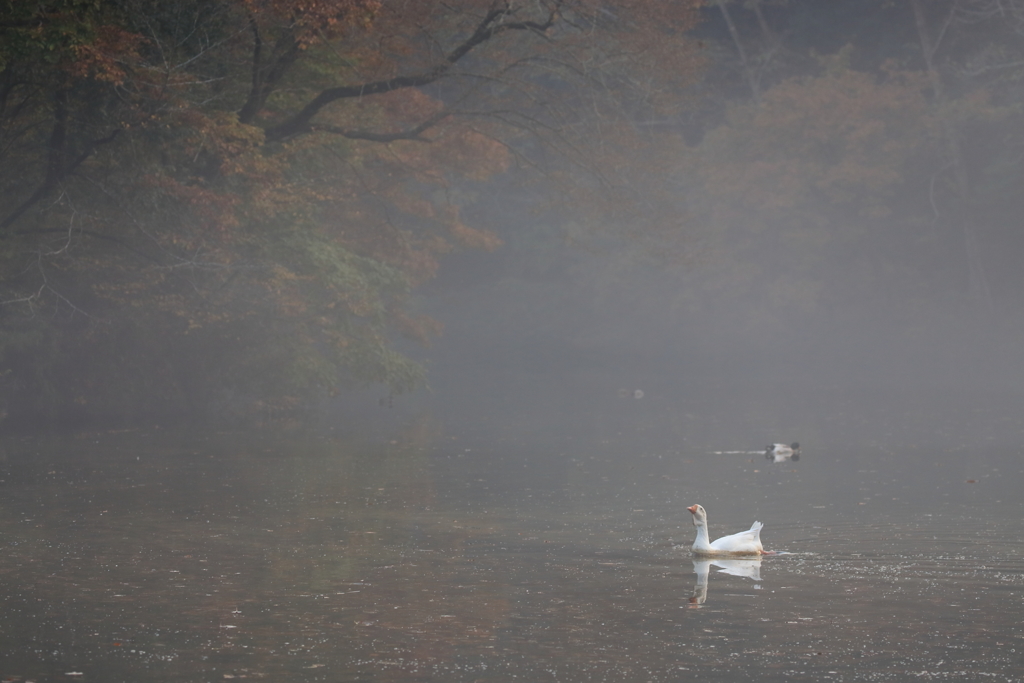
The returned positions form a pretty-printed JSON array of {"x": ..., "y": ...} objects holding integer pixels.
[{"x": 744, "y": 543}]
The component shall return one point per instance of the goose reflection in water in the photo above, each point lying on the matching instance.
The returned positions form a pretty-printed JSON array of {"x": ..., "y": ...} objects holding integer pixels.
[{"x": 749, "y": 569}]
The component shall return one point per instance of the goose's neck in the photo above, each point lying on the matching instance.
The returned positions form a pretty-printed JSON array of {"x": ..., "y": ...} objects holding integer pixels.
[{"x": 702, "y": 542}]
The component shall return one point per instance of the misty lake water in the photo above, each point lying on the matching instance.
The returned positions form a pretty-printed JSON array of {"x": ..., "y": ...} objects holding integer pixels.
[{"x": 288, "y": 556}]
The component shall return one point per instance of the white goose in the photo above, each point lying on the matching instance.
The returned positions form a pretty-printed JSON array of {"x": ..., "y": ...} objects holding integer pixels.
[{"x": 743, "y": 543}]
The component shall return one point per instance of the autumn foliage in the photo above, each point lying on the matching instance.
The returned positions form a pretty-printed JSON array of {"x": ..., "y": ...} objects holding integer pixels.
[{"x": 215, "y": 205}]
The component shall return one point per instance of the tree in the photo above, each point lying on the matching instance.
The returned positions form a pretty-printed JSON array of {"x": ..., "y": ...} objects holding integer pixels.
[
  {"x": 229, "y": 203},
  {"x": 977, "y": 278},
  {"x": 797, "y": 195}
]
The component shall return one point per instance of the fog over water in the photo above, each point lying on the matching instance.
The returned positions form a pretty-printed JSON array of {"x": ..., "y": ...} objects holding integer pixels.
[
  {"x": 563, "y": 350},
  {"x": 895, "y": 318}
]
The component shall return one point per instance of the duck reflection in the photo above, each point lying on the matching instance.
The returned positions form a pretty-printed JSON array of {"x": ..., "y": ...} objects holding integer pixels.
[
  {"x": 774, "y": 457},
  {"x": 750, "y": 569}
]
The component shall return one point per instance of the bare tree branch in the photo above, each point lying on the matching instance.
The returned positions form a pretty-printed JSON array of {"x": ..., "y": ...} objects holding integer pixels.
[
  {"x": 490, "y": 26},
  {"x": 265, "y": 78},
  {"x": 415, "y": 133},
  {"x": 57, "y": 169}
]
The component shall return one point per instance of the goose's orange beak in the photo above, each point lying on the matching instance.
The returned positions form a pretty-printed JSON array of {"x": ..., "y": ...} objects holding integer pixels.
[{"x": 692, "y": 509}]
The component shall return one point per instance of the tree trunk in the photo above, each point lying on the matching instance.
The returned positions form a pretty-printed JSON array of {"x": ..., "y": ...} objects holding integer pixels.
[
  {"x": 977, "y": 280},
  {"x": 748, "y": 73}
]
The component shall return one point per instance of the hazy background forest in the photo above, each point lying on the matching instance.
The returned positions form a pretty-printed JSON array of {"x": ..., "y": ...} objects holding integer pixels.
[{"x": 789, "y": 210}]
